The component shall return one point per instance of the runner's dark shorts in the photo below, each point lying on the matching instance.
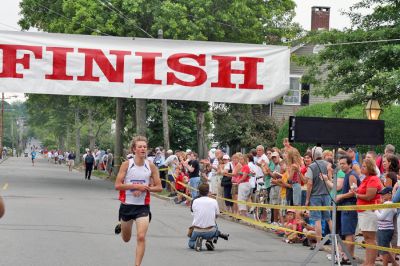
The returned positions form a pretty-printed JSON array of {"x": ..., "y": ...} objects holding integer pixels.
[{"x": 129, "y": 212}]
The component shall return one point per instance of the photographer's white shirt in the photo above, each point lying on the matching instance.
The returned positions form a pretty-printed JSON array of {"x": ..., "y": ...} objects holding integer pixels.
[{"x": 204, "y": 211}]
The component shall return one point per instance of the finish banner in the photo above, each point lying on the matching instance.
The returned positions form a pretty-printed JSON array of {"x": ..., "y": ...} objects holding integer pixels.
[{"x": 66, "y": 64}]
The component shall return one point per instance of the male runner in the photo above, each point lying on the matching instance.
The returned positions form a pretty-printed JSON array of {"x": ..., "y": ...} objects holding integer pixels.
[
  {"x": 33, "y": 155},
  {"x": 137, "y": 177}
]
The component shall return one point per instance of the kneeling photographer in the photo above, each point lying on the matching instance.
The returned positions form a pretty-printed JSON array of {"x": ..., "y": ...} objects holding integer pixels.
[{"x": 205, "y": 211}]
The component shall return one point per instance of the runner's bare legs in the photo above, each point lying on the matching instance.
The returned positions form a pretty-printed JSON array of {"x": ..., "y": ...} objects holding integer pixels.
[
  {"x": 142, "y": 224},
  {"x": 126, "y": 230}
]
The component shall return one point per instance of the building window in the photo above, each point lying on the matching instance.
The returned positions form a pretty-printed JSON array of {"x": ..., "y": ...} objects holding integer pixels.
[{"x": 294, "y": 95}]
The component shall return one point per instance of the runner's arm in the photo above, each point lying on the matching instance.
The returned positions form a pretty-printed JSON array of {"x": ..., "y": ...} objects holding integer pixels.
[
  {"x": 155, "y": 176},
  {"x": 2, "y": 208}
]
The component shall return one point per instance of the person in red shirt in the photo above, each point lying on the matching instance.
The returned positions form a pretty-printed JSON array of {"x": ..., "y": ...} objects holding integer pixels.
[
  {"x": 367, "y": 194},
  {"x": 180, "y": 178},
  {"x": 244, "y": 188}
]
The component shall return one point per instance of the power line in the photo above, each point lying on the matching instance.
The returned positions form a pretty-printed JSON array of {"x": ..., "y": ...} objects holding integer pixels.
[
  {"x": 111, "y": 7},
  {"x": 360, "y": 42},
  {"x": 61, "y": 15}
]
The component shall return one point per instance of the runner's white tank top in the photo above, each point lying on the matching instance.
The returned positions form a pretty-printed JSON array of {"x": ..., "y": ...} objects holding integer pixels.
[{"x": 136, "y": 175}]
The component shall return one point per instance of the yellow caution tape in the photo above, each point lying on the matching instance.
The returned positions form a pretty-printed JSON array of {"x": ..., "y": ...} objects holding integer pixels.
[
  {"x": 391, "y": 250},
  {"x": 310, "y": 208},
  {"x": 275, "y": 227}
]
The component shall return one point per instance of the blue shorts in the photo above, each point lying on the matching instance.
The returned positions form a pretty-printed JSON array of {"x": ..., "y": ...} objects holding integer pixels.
[
  {"x": 383, "y": 238},
  {"x": 348, "y": 223},
  {"x": 171, "y": 178},
  {"x": 321, "y": 200}
]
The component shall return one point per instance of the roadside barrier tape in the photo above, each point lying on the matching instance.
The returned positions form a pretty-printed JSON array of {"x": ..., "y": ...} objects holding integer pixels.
[
  {"x": 391, "y": 250},
  {"x": 275, "y": 227},
  {"x": 178, "y": 192},
  {"x": 310, "y": 208},
  {"x": 368, "y": 207}
]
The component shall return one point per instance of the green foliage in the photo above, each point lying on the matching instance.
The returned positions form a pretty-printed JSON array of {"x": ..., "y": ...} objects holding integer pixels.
[
  {"x": 243, "y": 126},
  {"x": 12, "y": 112},
  {"x": 365, "y": 70},
  {"x": 390, "y": 116},
  {"x": 182, "y": 124}
]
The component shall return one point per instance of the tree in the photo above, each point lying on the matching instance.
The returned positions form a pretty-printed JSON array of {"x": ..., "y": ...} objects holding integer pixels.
[
  {"x": 48, "y": 116},
  {"x": 363, "y": 69},
  {"x": 243, "y": 126}
]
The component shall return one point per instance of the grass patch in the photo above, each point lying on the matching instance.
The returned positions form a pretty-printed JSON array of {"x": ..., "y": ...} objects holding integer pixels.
[
  {"x": 164, "y": 193},
  {"x": 100, "y": 174}
]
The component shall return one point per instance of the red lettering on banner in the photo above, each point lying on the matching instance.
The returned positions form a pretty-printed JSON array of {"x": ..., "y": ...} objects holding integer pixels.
[
  {"x": 200, "y": 76},
  {"x": 249, "y": 72},
  {"x": 148, "y": 68},
  {"x": 59, "y": 63},
  {"x": 10, "y": 59},
  {"x": 112, "y": 74}
]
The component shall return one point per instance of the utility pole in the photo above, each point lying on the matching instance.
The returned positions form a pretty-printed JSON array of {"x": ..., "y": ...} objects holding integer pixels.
[{"x": 164, "y": 109}]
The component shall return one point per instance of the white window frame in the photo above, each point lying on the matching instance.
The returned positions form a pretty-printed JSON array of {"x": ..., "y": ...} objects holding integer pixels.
[{"x": 286, "y": 98}]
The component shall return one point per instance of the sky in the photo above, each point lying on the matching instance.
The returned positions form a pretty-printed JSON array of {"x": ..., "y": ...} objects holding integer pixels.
[{"x": 9, "y": 15}]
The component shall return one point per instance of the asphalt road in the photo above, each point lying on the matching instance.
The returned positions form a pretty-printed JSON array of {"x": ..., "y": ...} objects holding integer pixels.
[{"x": 54, "y": 217}]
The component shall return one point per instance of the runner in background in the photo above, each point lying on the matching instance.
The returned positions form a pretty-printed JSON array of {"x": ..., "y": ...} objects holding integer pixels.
[{"x": 33, "y": 155}]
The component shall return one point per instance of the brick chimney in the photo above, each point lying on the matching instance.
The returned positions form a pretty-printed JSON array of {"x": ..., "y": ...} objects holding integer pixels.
[{"x": 320, "y": 18}]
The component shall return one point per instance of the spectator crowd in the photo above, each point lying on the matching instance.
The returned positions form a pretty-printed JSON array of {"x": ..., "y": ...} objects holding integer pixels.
[{"x": 287, "y": 178}]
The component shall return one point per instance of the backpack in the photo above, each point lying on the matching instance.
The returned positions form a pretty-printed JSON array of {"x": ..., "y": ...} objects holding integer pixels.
[
  {"x": 89, "y": 159},
  {"x": 227, "y": 180}
]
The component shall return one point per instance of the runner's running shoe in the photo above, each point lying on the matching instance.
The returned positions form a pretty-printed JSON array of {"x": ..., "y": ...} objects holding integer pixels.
[{"x": 117, "y": 229}]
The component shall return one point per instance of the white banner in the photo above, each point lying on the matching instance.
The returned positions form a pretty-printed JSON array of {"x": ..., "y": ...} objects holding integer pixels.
[{"x": 142, "y": 68}]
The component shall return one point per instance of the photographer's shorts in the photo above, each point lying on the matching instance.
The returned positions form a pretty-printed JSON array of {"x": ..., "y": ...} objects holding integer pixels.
[{"x": 129, "y": 212}]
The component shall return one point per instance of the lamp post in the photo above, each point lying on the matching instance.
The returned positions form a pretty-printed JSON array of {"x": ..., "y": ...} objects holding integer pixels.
[{"x": 373, "y": 109}]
